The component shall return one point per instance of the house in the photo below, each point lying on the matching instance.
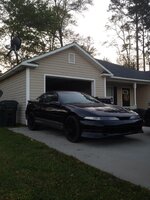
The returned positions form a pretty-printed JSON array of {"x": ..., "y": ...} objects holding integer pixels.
[
  {"x": 128, "y": 87},
  {"x": 72, "y": 68}
]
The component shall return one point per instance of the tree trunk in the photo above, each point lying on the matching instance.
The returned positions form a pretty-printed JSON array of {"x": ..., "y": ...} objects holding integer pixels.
[
  {"x": 61, "y": 38},
  {"x": 143, "y": 49},
  {"x": 137, "y": 41}
]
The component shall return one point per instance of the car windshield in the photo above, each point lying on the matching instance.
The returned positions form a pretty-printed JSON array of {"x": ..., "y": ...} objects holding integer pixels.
[{"x": 76, "y": 97}]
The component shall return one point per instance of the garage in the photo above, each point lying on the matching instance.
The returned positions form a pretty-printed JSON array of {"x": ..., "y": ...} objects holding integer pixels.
[
  {"x": 54, "y": 70},
  {"x": 69, "y": 83}
]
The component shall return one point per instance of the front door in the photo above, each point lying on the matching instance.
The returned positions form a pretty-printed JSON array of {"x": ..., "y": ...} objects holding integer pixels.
[{"x": 125, "y": 97}]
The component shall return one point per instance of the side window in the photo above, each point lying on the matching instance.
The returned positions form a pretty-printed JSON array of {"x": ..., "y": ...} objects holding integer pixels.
[
  {"x": 41, "y": 98},
  {"x": 47, "y": 98}
]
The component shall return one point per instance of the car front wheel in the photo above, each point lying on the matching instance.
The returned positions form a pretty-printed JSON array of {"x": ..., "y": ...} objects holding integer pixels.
[{"x": 72, "y": 129}]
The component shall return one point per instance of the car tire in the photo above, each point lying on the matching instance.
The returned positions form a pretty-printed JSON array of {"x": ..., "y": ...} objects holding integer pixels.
[
  {"x": 72, "y": 129},
  {"x": 147, "y": 117},
  {"x": 31, "y": 122}
]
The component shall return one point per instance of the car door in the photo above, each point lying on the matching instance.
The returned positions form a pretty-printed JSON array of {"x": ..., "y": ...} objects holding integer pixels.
[{"x": 51, "y": 110}]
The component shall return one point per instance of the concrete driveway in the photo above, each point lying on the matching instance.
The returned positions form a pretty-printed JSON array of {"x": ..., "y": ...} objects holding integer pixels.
[{"x": 127, "y": 158}]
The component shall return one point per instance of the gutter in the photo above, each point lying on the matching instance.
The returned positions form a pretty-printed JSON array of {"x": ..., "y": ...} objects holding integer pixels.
[
  {"x": 130, "y": 79},
  {"x": 122, "y": 78},
  {"x": 107, "y": 75},
  {"x": 17, "y": 68}
]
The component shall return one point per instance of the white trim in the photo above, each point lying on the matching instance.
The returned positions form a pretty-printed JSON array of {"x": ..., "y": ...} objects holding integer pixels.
[
  {"x": 65, "y": 48},
  {"x": 93, "y": 82},
  {"x": 130, "y": 79},
  {"x": 44, "y": 83},
  {"x": 29, "y": 64},
  {"x": 135, "y": 96},
  {"x": 27, "y": 85},
  {"x": 105, "y": 86},
  {"x": 15, "y": 69},
  {"x": 93, "y": 87},
  {"x": 105, "y": 74}
]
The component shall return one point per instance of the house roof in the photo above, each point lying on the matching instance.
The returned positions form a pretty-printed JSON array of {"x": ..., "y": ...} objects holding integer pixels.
[
  {"x": 122, "y": 72},
  {"x": 32, "y": 63},
  {"x": 109, "y": 69}
]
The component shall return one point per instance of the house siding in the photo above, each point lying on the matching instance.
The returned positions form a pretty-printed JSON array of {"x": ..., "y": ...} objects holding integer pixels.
[
  {"x": 14, "y": 88},
  {"x": 143, "y": 96},
  {"x": 58, "y": 65}
]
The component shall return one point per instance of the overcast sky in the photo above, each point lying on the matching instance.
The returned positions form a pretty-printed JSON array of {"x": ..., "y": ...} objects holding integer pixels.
[{"x": 92, "y": 23}]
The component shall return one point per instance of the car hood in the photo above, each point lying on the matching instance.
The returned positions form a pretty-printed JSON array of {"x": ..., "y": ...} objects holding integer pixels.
[{"x": 99, "y": 109}]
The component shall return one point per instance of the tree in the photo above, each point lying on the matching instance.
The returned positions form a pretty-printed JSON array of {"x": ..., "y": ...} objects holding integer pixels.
[
  {"x": 141, "y": 8},
  {"x": 134, "y": 20},
  {"x": 41, "y": 24},
  {"x": 140, "y": 12},
  {"x": 86, "y": 43},
  {"x": 123, "y": 32},
  {"x": 29, "y": 19},
  {"x": 64, "y": 10}
]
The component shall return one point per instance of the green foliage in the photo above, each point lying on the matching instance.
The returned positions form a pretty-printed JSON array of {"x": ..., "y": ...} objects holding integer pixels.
[
  {"x": 41, "y": 24},
  {"x": 142, "y": 8}
]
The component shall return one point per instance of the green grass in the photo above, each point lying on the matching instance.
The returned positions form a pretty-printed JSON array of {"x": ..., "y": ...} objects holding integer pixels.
[{"x": 29, "y": 170}]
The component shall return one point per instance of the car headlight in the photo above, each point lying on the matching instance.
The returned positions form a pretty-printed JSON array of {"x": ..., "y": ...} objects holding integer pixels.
[
  {"x": 135, "y": 117},
  {"x": 100, "y": 118}
]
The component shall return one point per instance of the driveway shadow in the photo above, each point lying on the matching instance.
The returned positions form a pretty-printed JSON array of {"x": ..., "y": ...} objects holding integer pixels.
[
  {"x": 95, "y": 140},
  {"x": 113, "y": 141}
]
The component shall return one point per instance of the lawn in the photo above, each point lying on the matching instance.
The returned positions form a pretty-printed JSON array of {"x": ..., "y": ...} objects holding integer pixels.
[{"x": 30, "y": 170}]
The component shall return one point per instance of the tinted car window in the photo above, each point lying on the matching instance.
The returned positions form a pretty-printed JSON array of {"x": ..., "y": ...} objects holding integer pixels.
[
  {"x": 76, "y": 97},
  {"x": 50, "y": 97}
]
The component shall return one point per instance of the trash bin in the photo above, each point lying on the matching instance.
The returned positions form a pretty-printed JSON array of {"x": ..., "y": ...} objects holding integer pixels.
[
  {"x": 2, "y": 110},
  {"x": 8, "y": 109}
]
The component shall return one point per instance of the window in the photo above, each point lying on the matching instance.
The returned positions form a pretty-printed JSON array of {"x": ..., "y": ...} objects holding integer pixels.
[
  {"x": 71, "y": 58},
  {"x": 49, "y": 97},
  {"x": 112, "y": 92}
]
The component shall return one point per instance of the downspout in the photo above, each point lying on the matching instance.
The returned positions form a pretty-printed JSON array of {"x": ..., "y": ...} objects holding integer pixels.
[
  {"x": 27, "y": 85},
  {"x": 105, "y": 87},
  {"x": 135, "y": 96}
]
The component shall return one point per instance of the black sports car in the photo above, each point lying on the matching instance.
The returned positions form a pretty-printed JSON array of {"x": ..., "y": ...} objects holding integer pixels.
[{"x": 78, "y": 113}]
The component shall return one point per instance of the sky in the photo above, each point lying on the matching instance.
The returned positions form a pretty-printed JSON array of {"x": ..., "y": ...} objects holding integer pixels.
[{"x": 92, "y": 23}]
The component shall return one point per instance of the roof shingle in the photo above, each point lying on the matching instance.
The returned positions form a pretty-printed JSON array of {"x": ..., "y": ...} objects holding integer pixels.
[{"x": 123, "y": 72}]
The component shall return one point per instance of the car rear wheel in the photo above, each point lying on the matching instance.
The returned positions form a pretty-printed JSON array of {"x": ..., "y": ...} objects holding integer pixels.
[
  {"x": 31, "y": 122},
  {"x": 72, "y": 129}
]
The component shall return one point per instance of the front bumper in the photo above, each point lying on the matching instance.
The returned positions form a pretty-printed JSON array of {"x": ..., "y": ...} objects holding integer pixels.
[{"x": 120, "y": 127}]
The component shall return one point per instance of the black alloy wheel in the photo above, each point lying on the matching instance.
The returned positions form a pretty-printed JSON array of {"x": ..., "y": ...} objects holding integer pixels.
[
  {"x": 72, "y": 129},
  {"x": 31, "y": 122}
]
